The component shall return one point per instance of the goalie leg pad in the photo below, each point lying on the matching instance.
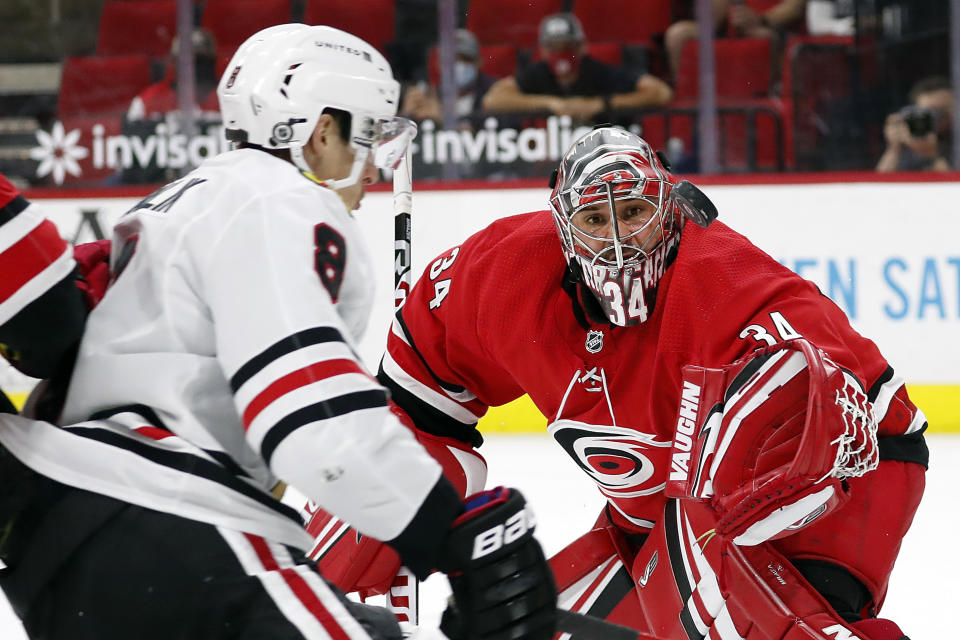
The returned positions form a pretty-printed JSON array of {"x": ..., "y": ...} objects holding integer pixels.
[
  {"x": 694, "y": 585},
  {"x": 864, "y": 536},
  {"x": 593, "y": 575}
]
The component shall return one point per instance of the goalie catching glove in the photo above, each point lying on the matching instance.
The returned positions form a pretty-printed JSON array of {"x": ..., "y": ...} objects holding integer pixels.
[
  {"x": 503, "y": 588},
  {"x": 769, "y": 441}
]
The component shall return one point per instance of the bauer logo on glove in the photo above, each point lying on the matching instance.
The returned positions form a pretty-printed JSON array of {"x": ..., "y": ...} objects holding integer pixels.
[
  {"x": 769, "y": 441},
  {"x": 503, "y": 534}
]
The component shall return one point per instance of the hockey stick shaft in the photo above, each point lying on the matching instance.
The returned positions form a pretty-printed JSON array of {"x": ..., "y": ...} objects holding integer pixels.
[
  {"x": 402, "y": 208},
  {"x": 585, "y": 627},
  {"x": 578, "y": 625},
  {"x": 403, "y": 598}
]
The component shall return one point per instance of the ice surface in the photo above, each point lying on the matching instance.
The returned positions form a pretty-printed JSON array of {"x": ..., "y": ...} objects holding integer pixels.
[{"x": 923, "y": 590}]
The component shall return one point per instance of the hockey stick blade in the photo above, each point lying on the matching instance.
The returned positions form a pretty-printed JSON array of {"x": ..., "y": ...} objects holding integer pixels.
[{"x": 586, "y": 627}]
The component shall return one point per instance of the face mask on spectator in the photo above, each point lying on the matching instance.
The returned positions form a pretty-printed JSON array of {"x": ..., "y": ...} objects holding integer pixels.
[
  {"x": 563, "y": 63},
  {"x": 464, "y": 73}
]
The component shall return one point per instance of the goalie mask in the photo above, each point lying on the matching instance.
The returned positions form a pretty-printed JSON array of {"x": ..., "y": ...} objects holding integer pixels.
[
  {"x": 282, "y": 78},
  {"x": 619, "y": 213}
]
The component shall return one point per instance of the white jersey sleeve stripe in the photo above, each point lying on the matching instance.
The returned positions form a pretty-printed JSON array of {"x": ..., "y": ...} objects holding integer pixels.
[
  {"x": 30, "y": 270},
  {"x": 885, "y": 394},
  {"x": 18, "y": 226},
  {"x": 296, "y": 379},
  {"x": 299, "y": 340},
  {"x": 305, "y": 396},
  {"x": 440, "y": 402},
  {"x": 285, "y": 364},
  {"x": 324, "y": 410}
]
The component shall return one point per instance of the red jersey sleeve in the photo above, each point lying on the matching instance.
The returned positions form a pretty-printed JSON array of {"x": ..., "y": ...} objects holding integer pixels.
[
  {"x": 436, "y": 365},
  {"x": 41, "y": 311}
]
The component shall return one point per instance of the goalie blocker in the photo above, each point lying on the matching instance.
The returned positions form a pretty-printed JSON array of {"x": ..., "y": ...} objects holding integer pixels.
[{"x": 769, "y": 441}]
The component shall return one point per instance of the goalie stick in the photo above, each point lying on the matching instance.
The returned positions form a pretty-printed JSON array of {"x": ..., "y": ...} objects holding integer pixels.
[
  {"x": 585, "y": 627},
  {"x": 578, "y": 625}
]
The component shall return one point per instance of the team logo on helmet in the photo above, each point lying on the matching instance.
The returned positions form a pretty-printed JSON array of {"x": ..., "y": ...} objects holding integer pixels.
[
  {"x": 233, "y": 76},
  {"x": 283, "y": 131}
]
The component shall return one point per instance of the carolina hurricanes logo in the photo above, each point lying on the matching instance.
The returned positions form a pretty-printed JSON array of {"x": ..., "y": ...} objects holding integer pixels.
[{"x": 620, "y": 460}]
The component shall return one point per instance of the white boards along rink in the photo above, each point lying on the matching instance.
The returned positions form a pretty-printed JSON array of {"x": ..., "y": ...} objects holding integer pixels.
[{"x": 885, "y": 252}]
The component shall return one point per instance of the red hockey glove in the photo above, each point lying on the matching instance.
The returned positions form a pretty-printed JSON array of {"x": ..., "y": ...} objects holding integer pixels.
[
  {"x": 503, "y": 588},
  {"x": 367, "y": 566},
  {"x": 93, "y": 267},
  {"x": 769, "y": 440}
]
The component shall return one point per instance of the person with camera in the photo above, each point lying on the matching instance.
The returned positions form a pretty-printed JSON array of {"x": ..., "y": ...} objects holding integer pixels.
[{"x": 918, "y": 135}]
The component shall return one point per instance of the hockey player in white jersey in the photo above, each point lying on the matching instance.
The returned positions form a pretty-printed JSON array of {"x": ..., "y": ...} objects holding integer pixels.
[{"x": 220, "y": 362}]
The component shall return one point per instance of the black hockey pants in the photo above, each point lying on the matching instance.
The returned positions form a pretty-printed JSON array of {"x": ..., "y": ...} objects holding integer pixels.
[{"x": 82, "y": 566}]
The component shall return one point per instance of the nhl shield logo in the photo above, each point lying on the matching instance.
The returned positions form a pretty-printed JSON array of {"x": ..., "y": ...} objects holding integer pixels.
[{"x": 594, "y": 341}]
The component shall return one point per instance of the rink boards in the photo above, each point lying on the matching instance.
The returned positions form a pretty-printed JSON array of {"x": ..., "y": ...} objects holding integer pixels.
[{"x": 884, "y": 251}]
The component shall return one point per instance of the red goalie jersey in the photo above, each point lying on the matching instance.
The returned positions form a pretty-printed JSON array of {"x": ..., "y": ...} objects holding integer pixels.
[{"x": 499, "y": 317}]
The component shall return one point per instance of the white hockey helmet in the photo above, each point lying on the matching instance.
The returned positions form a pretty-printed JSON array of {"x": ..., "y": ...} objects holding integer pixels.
[{"x": 280, "y": 80}]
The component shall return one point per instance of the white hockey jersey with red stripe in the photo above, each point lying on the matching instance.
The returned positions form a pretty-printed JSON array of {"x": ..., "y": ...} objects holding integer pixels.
[{"x": 222, "y": 358}]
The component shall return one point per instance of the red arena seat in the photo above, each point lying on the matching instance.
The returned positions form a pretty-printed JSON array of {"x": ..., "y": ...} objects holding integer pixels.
[
  {"x": 98, "y": 85},
  {"x": 233, "y": 21},
  {"x": 145, "y": 27},
  {"x": 372, "y": 20},
  {"x": 742, "y": 68},
  {"x": 508, "y": 21},
  {"x": 623, "y": 21}
]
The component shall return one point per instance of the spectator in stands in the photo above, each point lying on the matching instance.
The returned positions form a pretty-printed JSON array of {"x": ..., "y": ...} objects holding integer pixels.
[
  {"x": 159, "y": 103},
  {"x": 831, "y": 17},
  {"x": 740, "y": 19},
  {"x": 422, "y": 101},
  {"x": 568, "y": 81},
  {"x": 919, "y": 136},
  {"x": 160, "y": 99}
]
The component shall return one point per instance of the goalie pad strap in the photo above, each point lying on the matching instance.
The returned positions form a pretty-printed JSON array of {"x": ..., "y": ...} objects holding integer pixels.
[
  {"x": 909, "y": 447},
  {"x": 593, "y": 575},
  {"x": 847, "y": 595}
]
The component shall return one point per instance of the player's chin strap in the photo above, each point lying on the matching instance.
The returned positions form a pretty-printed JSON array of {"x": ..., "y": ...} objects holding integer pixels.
[{"x": 359, "y": 160}]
